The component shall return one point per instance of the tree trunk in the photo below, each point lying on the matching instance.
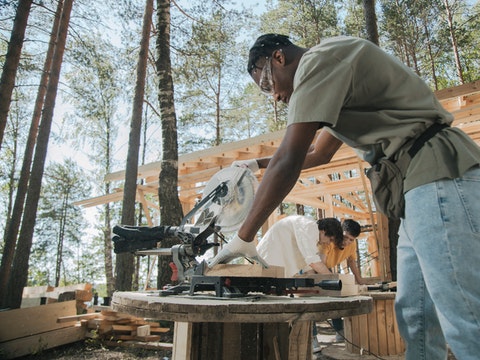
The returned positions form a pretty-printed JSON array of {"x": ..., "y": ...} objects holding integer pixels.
[
  {"x": 19, "y": 275},
  {"x": 218, "y": 111},
  {"x": 12, "y": 58},
  {"x": 453, "y": 39},
  {"x": 108, "y": 248},
  {"x": 431, "y": 57},
  {"x": 125, "y": 262},
  {"x": 170, "y": 208},
  {"x": 371, "y": 21},
  {"x": 13, "y": 224},
  {"x": 61, "y": 238}
]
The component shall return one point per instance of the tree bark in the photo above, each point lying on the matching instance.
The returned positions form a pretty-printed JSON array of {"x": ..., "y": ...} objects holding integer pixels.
[
  {"x": 371, "y": 21},
  {"x": 61, "y": 236},
  {"x": 108, "y": 247},
  {"x": 453, "y": 39},
  {"x": 431, "y": 57},
  {"x": 125, "y": 266},
  {"x": 12, "y": 58},
  {"x": 19, "y": 275},
  {"x": 170, "y": 208},
  {"x": 13, "y": 224}
]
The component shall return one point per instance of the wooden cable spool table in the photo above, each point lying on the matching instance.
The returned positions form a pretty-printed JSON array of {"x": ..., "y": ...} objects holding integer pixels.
[{"x": 253, "y": 327}]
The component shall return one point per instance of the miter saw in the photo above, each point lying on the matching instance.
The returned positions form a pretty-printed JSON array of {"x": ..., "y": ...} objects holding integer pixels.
[{"x": 228, "y": 196}]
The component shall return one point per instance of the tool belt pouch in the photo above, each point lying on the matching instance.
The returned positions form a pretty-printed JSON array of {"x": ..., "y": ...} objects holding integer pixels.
[
  {"x": 386, "y": 177},
  {"x": 386, "y": 181}
]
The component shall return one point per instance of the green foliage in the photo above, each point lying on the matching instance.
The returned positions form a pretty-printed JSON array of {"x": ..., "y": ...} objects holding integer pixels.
[
  {"x": 208, "y": 74},
  {"x": 354, "y": 20},
  {"x": 60, "y": 227},
  {"x": 417, "y": 32},
  {"x": 470, "y": 43},
  {"x": 94, "y": 96},
  {"x": 305, "y": 21}
]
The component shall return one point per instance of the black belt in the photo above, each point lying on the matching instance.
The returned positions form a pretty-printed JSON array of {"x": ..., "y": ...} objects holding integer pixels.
[{"x": 425, "y": 136}]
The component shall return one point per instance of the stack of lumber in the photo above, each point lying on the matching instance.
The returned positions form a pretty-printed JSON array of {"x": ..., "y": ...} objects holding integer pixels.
[
  {"x": 33, "y": 329},
  {"x": 114, "y": 328},
  {"x": 38, "y": 295}
]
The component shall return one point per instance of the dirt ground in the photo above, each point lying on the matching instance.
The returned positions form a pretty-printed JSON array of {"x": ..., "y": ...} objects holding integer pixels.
[
  {"x": 88, "y": 349},
  {"x": 92, "y": 349}
]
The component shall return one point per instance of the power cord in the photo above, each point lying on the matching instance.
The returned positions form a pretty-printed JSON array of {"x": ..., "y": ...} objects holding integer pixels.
[{"x": 362, "y": 351}]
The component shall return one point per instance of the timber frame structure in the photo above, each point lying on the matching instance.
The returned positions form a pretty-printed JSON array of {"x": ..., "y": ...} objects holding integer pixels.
[{"x": 339, "y": 189}]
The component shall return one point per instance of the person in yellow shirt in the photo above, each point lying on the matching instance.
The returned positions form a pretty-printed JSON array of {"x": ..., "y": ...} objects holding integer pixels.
[{"x": 334, "y": 252}]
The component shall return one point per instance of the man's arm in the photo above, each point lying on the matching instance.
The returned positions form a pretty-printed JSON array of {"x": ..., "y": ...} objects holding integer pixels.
[
  {"x": 352, "y": 264},
  {"x": 280, "y": 177},
  {"x": 320, "y": 268},
  {"x": 322, "y": 151}
]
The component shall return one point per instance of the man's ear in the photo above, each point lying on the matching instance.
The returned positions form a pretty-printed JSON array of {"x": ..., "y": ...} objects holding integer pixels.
[{"x": 279, "y": 56}]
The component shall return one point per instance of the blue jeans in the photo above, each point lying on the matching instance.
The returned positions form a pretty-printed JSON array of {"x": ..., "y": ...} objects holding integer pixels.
[{"x": 438, "y": 298}]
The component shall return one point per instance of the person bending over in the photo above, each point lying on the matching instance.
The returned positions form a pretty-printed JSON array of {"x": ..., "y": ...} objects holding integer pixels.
[{"x": 359, "y": 95}]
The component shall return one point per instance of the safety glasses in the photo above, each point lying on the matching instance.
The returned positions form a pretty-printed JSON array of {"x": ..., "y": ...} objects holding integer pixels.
[{"x": 266, "y": 78}]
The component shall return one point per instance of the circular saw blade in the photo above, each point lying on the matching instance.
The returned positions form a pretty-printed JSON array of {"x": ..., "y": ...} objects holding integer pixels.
[{"x": 233, "y": 207}]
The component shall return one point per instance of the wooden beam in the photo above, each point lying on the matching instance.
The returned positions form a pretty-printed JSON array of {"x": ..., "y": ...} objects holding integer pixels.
[
  {"x": 31, "y": 345},
  {"x": 23, "y": 322},
  {"x": 455, "y": 91}
]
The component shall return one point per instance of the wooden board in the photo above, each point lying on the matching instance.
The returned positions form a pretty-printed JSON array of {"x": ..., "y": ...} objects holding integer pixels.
[
  {"x": 36, "y": 291},
  {"x": 19, "y": 323},
  {"x": 36, "y": 343},
  {"x": 40, "y": 295},
  {"x": 71, "y": 318},
  {"x": 247, "y": 270}
]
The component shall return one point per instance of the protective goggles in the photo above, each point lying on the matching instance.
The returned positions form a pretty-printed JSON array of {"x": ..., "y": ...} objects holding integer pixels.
[{"x": 266, "y": 78}]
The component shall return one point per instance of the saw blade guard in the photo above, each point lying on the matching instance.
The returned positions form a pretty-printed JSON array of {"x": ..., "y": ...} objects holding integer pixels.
[{"x": 231, "y": 208}]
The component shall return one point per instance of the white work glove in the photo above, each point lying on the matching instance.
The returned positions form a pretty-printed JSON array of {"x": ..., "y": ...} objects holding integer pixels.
[
  {"x": 252, "y": 164},
  {"x": 237, "y": 248}
]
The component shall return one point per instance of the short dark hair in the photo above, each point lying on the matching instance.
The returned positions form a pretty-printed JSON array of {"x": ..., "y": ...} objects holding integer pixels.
[
  {"x": 352, "y": 227},
  {"x": 332, "y": 227},
  {"x": 264, "y": 47}
]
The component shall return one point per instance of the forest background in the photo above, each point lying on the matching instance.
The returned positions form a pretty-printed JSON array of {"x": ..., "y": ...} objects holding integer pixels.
[{"x": 98, "y": 100}]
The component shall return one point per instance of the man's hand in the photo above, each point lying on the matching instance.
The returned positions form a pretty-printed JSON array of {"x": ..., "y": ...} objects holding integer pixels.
[
  {"x": 252, "y": 164},
  {"x": 237, "y": 248}
]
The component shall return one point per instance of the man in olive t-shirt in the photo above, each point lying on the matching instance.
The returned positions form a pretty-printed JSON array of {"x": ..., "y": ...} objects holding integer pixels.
[{"x": 363, "y": 97}]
